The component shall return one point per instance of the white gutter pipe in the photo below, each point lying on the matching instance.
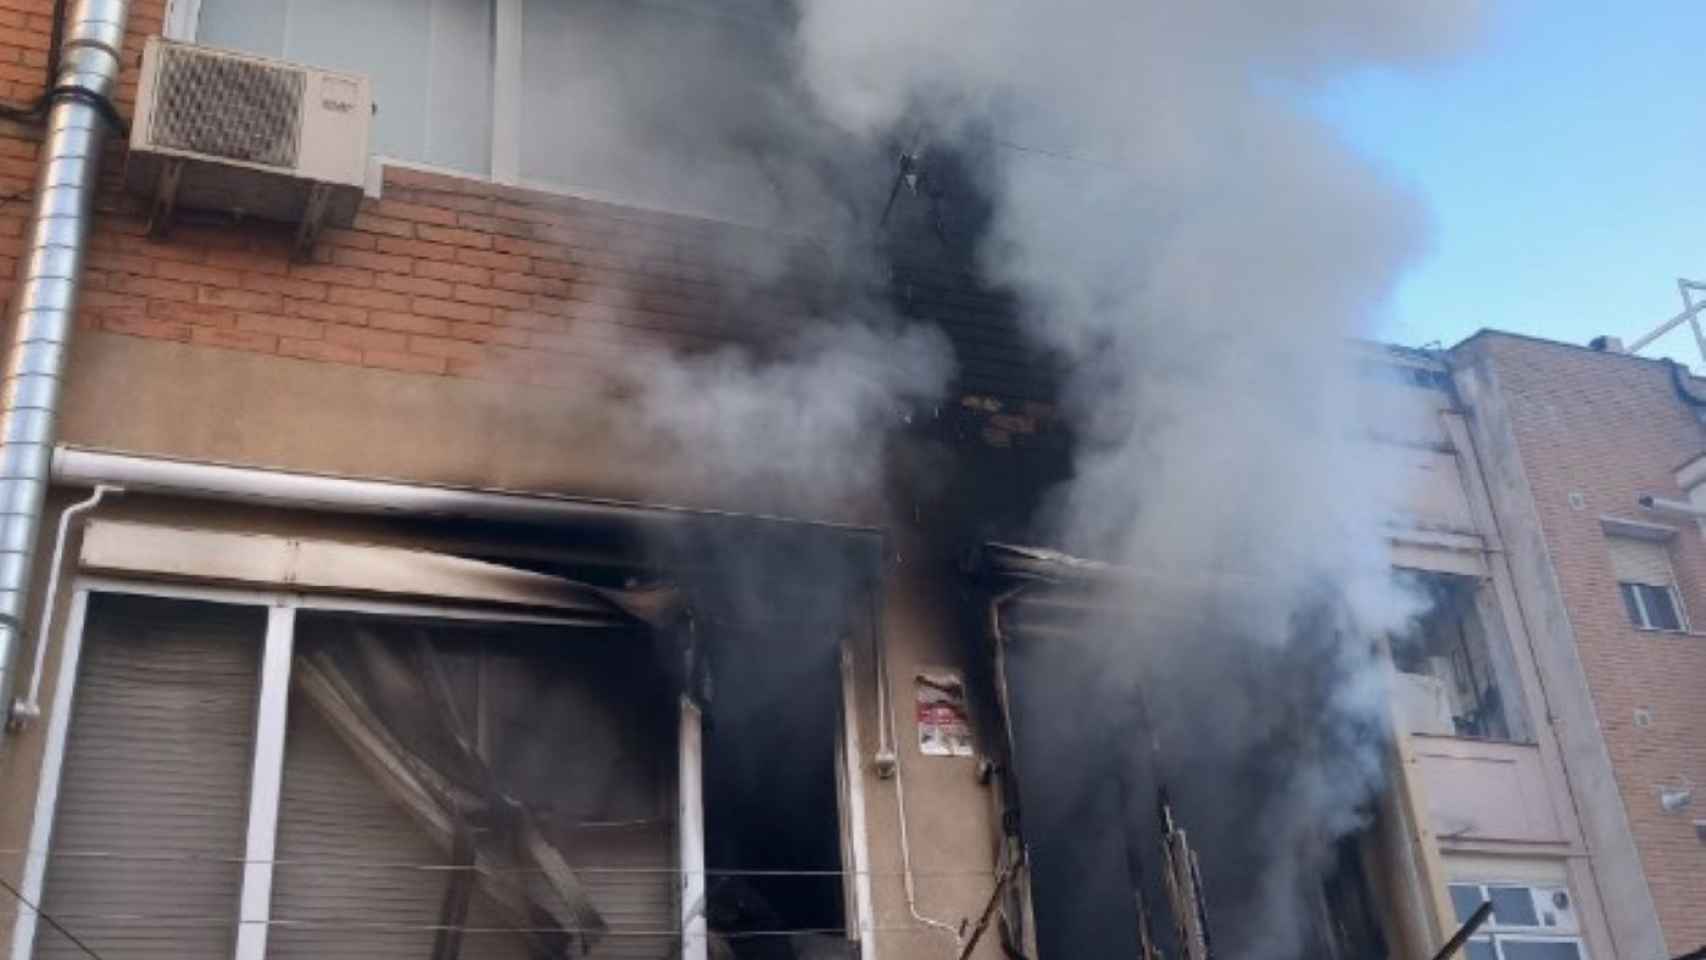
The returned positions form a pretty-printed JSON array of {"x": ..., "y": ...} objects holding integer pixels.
[
  {"x": 44, "y": 308},
  {"x": 138, "y": 474},
  {"x": 26, "y": 710}
]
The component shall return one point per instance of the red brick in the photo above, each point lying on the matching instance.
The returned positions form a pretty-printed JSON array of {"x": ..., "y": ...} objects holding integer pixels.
[
  {"x": 489, "y": 333},
  {"x": 199, "y": 314},
  {"x": 416, "y": 213},
  {"x": 382, "y": 262},
  {"x": 294, "y": 287},
  {"x": 241, "y": 299},
  {"x": 416, "y": 248},
  {"x": 197, "y": 273},
  {"x": 384, "y": 226},
  {"x": 448, "y": 349},
  {"x": 530, "y": 320},
  {"x": 419, "y": 286},
  {"x": 365, "y": 338},
  {"x": 248, "y": 261},
  {"x": 235, "y": 339},
  {"x": 319, "y": 350},
  {"x": 532, "y": 283},
  {"x": 409, "y": 323},
  {"x": 371, "y": 299},
  {"x": 407, "y": 362},
  {"x": 347, "y": 239},
  {"x": 455, "y": 237},
  {"x": 452, "y": 310},
  {"x": 157, "y": 329},
  {"x": 452, "y": 272},
  {"x": 488, "y": 296},
  {"x": 152, "y": 287},
  {"x": 114, "y": 262},
  {"x": 511, "y": 262},
  {"x": 338, "y": 276},
  {"x": 330, "y": 312},
  {"x": 299, "y": 328}
]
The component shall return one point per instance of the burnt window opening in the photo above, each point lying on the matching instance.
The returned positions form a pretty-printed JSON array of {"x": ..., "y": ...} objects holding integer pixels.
[
  {"x": 1456, "y": 676},
  {"x": 1103, "y": 793},
  {"x": 540, "y": 770},
  {"x": 770, "y": 609},
  {"x": 772, "y": 612}
]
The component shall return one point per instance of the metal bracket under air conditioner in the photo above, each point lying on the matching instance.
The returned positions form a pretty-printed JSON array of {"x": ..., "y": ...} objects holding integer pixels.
[
  {"x": 165, "y": 198},
  {"x": 313, "y": 216}
]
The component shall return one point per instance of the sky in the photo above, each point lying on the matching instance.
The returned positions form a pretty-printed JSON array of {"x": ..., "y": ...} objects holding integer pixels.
[{"x": 1563, "y": 163}]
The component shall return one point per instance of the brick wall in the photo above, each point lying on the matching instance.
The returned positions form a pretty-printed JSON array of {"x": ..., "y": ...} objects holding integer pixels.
[
  {"x": 1610, "y": 428},
  {"x": 454, "y": 277}
]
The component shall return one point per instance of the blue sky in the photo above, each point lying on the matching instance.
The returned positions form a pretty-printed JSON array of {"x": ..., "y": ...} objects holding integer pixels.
[{"x": 1563, "y": 161}]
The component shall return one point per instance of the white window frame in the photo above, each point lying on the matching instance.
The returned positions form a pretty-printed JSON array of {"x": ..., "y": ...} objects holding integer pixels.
[
  {"x": 1496, "y": 934},
  {"x": 183, "y": 19},
  {"x": 268, "y": 761},
  {"x": 1647, "y": 618}
]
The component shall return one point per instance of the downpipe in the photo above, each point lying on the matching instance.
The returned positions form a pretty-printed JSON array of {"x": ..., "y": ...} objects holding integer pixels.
[{"x": 45, "y": 301}]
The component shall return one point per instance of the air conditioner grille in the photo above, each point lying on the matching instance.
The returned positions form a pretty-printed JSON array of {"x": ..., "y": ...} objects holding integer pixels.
[{"x": 227, "y": 107}]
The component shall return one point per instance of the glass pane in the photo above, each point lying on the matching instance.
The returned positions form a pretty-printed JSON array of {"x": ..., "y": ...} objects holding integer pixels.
[
  {"x": 252, "y": 26},
  {"x": 1661, "y": 608},
  {"x": 430, "y": 63},
  {"x": 1513, "y": 907},
  {"x": 670, "y": 106},
  {"x": 1480, "y": 950},
  {"x": 1465, "y": 898},
  {"x": 1540, "y": 949},
  {"x": 1630, "y": 606}
]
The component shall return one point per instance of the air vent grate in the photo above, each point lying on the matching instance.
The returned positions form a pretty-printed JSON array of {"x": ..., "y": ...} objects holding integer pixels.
[{"x": 227, "y": 107}]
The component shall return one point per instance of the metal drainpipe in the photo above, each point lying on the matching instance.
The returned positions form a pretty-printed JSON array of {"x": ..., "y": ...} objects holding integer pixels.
[{"x": 45, "y": 300}]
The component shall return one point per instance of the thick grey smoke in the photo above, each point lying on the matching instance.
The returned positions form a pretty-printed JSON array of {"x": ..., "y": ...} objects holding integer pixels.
[
  {"x": 1201, "y": 262},
  {"x": 801, "y": 432},
  {"x": 1196, "y": 247}
]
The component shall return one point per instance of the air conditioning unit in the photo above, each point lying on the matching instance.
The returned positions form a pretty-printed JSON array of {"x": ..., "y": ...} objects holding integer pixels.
[{"x": 249, "y": 136}]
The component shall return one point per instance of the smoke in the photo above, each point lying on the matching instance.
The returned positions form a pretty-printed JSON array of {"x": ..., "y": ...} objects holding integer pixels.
[
  {"x": 1201, "y": 251},
  {"x": 1191, "y": 243},
  {"x": 803, "y": 431}
]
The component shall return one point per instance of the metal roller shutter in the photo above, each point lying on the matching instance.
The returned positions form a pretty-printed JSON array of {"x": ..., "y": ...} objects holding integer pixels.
[
  {"x": 149, "y": 838},
  {"x": 1641, "y": 561},
  {"x": 356, "y": 876},
  {"x": 359, "y": 877}
]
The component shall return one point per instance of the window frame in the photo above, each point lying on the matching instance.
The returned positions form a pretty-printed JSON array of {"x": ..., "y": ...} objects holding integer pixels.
[
  {"x": 1494, "y": 934},
  {"x": 267, "y": 763},
  {"x": 1635, "y": 602},
  {"x": 182, "y": 23}
]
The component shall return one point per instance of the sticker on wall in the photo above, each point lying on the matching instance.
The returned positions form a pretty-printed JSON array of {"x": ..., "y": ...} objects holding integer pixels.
[{"x": 944, "y": 727}]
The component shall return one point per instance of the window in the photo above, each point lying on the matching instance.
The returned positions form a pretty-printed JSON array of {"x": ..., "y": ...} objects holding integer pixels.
[
  {"x": 1651, "y": 607},
  {"x": 262, "y": 775},
  {"x": 1527, "y": 923},
  {"x": 1456, "y": 676},
  {"x": 672, "y": 105},
  {"x": 430, "y": 63},
  {"x": 163, "y": 729},
  {"x": 349, "y": 784},
  {"x": 1647, "y": 583}
]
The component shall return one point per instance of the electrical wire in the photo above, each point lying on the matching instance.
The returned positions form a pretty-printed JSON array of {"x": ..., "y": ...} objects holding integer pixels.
[
  {"x": 50, "y": 920},
  {"x": 804, "y": 873}
]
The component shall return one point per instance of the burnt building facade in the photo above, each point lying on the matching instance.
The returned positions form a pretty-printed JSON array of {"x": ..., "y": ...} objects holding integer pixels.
[{"x": 371, "y": 610}]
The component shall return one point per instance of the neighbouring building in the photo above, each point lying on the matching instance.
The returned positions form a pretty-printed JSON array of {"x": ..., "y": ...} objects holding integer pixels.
[
  {"x": 1592, "y": 458},
  {"x": 367, "y": 618}
]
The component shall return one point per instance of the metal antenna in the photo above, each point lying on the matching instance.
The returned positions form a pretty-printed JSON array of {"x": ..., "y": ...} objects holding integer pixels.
[{"x": 1690, "y": 315}]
